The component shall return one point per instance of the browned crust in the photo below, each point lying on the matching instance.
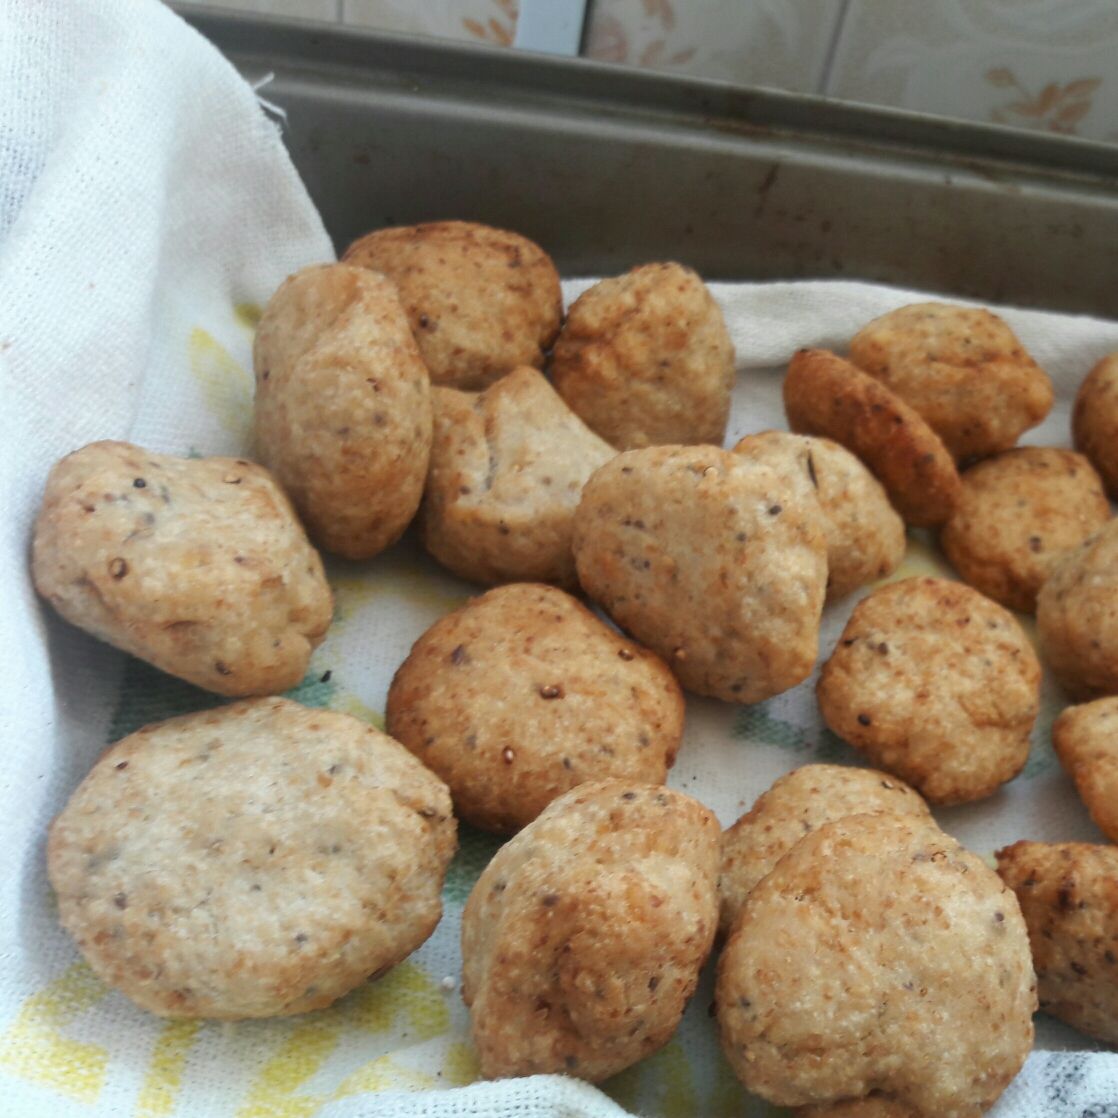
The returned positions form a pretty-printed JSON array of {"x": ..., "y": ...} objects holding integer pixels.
[
  {"x": 1086, "y": 741},
  {"x": 480, "y": 301},
  {"x": 1094, "y": 421},
  {"x": 1068, "y": 894},
  {"x": 825, "y": 395}
]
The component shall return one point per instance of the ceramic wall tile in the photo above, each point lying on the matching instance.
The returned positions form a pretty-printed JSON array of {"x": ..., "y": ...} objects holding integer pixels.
[
  {"x": 480, "y": 21},
  {"x": 327, "y": 11},
  {"x": 1040, "y": 64},
  {"x": 782, "y": 43}
]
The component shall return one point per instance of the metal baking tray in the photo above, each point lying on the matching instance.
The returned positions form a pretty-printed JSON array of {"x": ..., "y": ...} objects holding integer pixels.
[{"x": 607, "y": 167}]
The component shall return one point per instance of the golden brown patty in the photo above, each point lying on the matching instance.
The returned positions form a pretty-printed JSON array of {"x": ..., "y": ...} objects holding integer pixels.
[
  {"x": 507, "y": 471},
  {"x": 522, "y": 694},
  {"x": 878, "y": 956},
  {"x": 646, "y": 359},
  {"x": 198, "y": 566},
  {"x": 343, "y": 406},
  {"x": 962, "y": 368},
  {"x": 256, "y": 860},
  {"x": 1069, "y": 895},
  {"x": 825, "y": 395},
  {"x": 715, "y": 562},
  {"x": 583, "y": 938},
  {"x": 1019, "y": 513},
  {"x": 480, "y": 301},
  {"x": 937, "y": 684}
]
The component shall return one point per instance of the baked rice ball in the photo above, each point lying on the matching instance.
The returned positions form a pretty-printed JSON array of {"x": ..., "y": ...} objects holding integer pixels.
[
  {"x": 1086, "y": 741},
  {"x": 716, "y": 563},
  {"x": 583, "y": 938},
  {"x": 198, "y": 566},
  {"x": 865, "y": 536},
  {"x": 1019, "y": 513},
  {"x": 825, "y": 395},
  {"x": 1077, "y": 617},
  {"x": 937, "y": 684},
  {"x": 507, "y": 471},
  {"x": 962, "y": 368},
  {"x": 522, "y": 694},
  {"x": 256, "y": 860},
  {"x": 480, "y": 301},
  {"x": 797, "y": 804},
  {"x": 646, "y": 359},
  {"x": 1069, "y": 895},
  {"x": 878, "y": 958},
  {"x": 343, "y": 406}
]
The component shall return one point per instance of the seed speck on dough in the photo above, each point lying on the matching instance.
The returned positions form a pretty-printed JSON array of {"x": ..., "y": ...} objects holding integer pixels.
[
  {"x": 118, "y": 568},
  {"x": 552, "y": 691},
  {"x": 507, "y": 755},
  {"x": 625, "y": 654},
  {"x": 864, "y": 719},
  {"x": 121, "y": 765},
  {"x": 139, "y": 483}
]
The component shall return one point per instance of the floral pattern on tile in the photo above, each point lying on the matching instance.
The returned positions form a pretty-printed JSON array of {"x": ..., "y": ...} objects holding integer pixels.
[
  {"x": 782, "y": 43},
  {"x": 1059, "y": 108},
  {"x": 1046, "y": 65}
]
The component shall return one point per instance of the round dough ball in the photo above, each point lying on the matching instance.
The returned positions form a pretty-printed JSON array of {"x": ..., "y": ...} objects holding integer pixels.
[
  {"x": 251, "y": 861},
  {"x": 583, "y": 938},
  {"x": 963, "y": 369},
  {"x": 878, "y": 958},
  {"x": 1094, "y": 421},
  {"x": 717, "y": 563},
  {"x": 1086, "y": 741},
  {"x": 198, "y": 566},
  {"x": 937, "y": 684},
  {"x": 343, "y": 406},
  {"x": 797, "y": 804},
  {"x": 507, "y": 471},
  {"x": 865, "y": 536},
  {"x": 1069, "y": 896},
  {"x": 480, "y": 301},
  {"x": 825, "y": 395},
  {"x": 1077, "y": 617},
  {"x": 522, "y": 694},
  {"x": 646, "y": 359},
  {"x": 1019, "y": 514}
]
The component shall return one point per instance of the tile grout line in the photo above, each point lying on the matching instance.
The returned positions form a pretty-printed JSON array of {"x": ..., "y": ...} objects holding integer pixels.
[{"x": 832, "y": 50}]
